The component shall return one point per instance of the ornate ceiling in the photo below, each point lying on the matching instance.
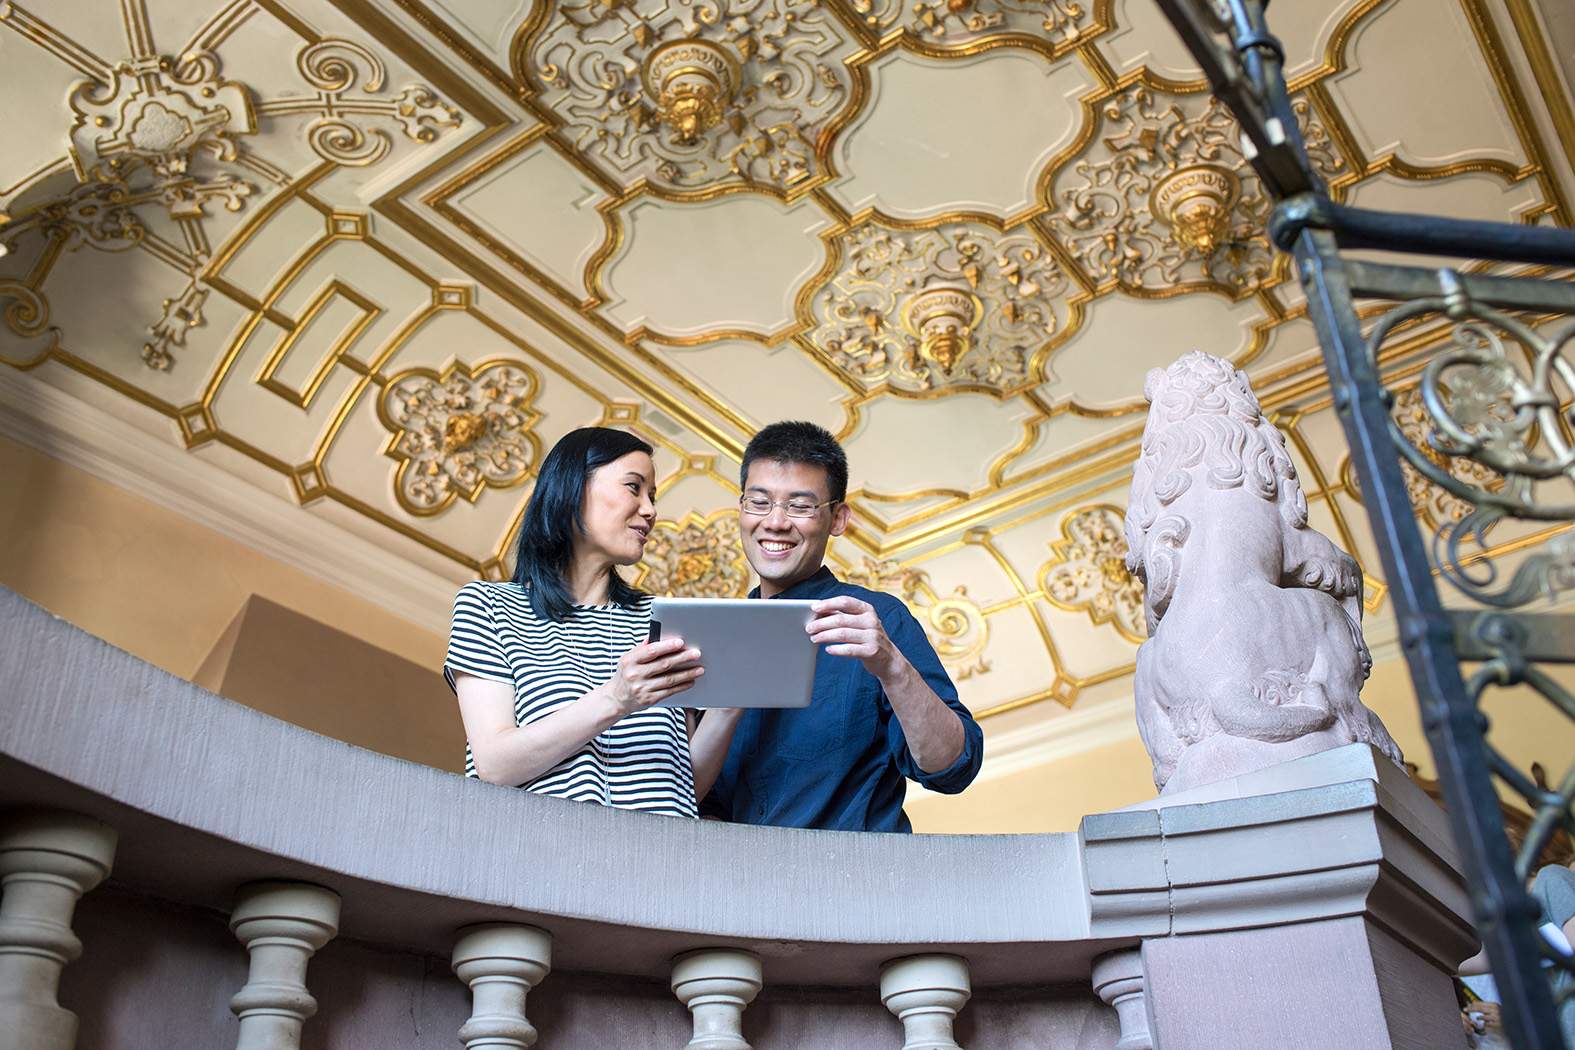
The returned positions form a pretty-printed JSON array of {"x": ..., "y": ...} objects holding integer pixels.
[{"x": 355, "y": 264}]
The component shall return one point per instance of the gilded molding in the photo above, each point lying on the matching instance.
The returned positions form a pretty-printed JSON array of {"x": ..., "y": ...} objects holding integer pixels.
[
  {"x": 155, "y": 131},
  {"x": 1165, "y": 201},
  {"x": 157, "y": 115},
  {"x": 946, "y": 28},
  {"x": 692, "y": 97},
  {"x": 1434, "y": 505},
  {"x": 348, "y": 81},
  {"x": 695, "y": 557},
  {"x": 961, "y": 307},
  {"x": 460, "y": 431},
  {"x": 178, "y": 315},
  {"x": 956, "y": 625},
  {"x": 1087, "y": 571}
]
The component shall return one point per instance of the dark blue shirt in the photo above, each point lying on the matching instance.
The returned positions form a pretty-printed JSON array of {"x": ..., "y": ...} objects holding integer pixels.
[{"x": 842, "y": 761}]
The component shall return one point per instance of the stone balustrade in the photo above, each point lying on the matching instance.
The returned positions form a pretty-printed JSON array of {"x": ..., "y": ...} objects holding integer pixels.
[
  {"x": 381, "y": 903},
  {"x": 47, "y": 861},
  {"x": 282, "y": 925}
]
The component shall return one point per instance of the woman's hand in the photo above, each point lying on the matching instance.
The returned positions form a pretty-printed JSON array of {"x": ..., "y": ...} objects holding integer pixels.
[{"x": 651, "y": 673}]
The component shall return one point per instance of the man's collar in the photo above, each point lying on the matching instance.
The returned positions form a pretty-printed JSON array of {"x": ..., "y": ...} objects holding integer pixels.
[{"x": 810, "y": 587}]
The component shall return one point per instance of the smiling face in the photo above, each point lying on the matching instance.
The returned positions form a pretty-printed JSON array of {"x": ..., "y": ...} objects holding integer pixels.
[
  {"x": 618, "y": 509},
  {"x": 783, "y": 550}
]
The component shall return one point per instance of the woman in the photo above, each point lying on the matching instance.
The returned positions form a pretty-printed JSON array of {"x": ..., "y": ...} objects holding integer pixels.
[{"x": 553, "y": 673}]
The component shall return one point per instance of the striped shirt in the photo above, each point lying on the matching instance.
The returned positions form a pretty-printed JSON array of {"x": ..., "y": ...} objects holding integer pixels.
[{"x": 641, "y": 762}]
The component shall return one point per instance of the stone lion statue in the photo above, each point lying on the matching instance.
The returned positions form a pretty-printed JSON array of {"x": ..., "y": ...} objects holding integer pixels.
[{"x": 1255, "y": 653}]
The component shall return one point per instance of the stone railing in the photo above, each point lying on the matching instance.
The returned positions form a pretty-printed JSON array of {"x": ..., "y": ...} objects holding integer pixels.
[{"x": 228, "y": 879}]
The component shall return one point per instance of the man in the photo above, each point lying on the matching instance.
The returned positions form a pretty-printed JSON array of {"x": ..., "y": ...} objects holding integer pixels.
[{"x": 883, "y": 710}]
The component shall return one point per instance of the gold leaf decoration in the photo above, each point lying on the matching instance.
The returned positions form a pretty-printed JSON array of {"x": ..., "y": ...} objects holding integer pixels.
[
  {"x": 348, "y": 81},
  {"x": 693, "y": 96},
  {"x": 153, "y": 119},
  {"x": 954, "y": 25},
  {"x": 695, "y": 558},
  {"x": 158, "y": 132},
  {"x": 1087, "y": 571},
  {"x": 1433, "y": 504},
  {"x": 957, "y": 308},
  {"x": 956, "y": 626},
  {"x": 1164, "y": 199},
  {"x": 458, "y": 432}
]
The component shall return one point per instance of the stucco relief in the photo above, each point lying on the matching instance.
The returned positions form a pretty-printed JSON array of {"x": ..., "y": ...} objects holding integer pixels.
[
  {"x": 1433, "y": 504},
  {"x": 1087, "y": 571},
  {"x": 1164, "y": 200},
  {"x": 695, "y": 558},
  {"x": 157, "y": 132},
  {"x": 157, "y": 114},
  {"x": 460, "y": 431},
  {"x": 1255, "y": 653},
  {"x": 955, "y": 24},
  {"x": 694, "y": 96},
  {"x": 960, "y": 307},
  {"x": 955, "y": 624},
  {"x": 349, "y": 87}
]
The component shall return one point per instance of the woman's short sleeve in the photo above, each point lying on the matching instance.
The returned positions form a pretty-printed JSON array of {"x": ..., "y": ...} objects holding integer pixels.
[
  {"x": 1554, "y": 889},
  {"x": 474, "y": 646}
]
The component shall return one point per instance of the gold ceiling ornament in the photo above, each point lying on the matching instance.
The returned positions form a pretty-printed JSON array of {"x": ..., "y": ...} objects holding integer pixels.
[
  {"x": 457, "y": 432},
  {"x": 155, "y": 116},
  {"x": 951, "y": 25},
  {"x": 180, "y": 313},
  {"x": 26, "y": 315},
  {"x": 942, "y": 320},
  {"x": 348, "y": 81},
  {"x": 1087, "y": 571},
  {"x": 693, "y": 82},
  {"x": 694, "y": 96},
  {"x": 956, "y": 625},
  {"x": 95, "y": 215},
  {"x": 156, "y": 131},
  {"x": 1195, "y": 202},
  {"x": 958, "y": 308},
  {"x": 1433, "y": 504},
  {"x": 102, "y": 216},
  {"x": 1163, "y": 200},
  {"x": 698, "y": 557}
]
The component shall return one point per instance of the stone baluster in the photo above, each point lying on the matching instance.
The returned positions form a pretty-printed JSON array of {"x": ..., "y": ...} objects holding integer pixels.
[
  {"x": 1118, "y": 980},
  {"x": 48, "y": 860},
  {"x": 716, "y": 984},
  {"x": 926, "y": 992},
  {"x": 501, "y": 962},
  {"x": 281, "y": 924}
]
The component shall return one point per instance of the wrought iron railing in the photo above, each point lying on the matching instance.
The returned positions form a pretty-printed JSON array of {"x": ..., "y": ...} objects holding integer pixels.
[{"x": 1498, "y": 436}]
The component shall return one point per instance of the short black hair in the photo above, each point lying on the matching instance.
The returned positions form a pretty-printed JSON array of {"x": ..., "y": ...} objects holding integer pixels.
[
  {"x": 795, "y": 441},
  {"x": 554, "y": 517}
]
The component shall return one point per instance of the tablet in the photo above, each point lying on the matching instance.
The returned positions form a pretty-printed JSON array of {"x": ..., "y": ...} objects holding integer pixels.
[{"x": 754, "y": 651}]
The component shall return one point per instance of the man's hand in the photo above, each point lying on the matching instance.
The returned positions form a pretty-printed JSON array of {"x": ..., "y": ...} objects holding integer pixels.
[{"x": 846, "y": 626}]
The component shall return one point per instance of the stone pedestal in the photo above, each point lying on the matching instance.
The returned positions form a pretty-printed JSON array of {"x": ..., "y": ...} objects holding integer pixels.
[
  {"x": 716, "y": 985},
  {"x": 47, "y": 861},
  {"x": 926, "y": 992},
  {"x": 1320, "y": 916},
  {"x": 500, "y": 962},
  {"x": 1307, "y": 986}
]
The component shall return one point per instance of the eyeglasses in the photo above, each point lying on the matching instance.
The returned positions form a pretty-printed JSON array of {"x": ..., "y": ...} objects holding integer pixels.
[{"x": 795, "y": 508}]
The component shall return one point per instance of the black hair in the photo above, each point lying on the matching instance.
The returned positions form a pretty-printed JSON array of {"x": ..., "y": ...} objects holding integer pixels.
[
  {"x": 554, "y": 517},
  {"x": 794, "y": 441}
]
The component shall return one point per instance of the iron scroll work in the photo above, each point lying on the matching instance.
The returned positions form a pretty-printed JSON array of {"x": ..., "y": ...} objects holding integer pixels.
[{"x": 1495, "y": 433}]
